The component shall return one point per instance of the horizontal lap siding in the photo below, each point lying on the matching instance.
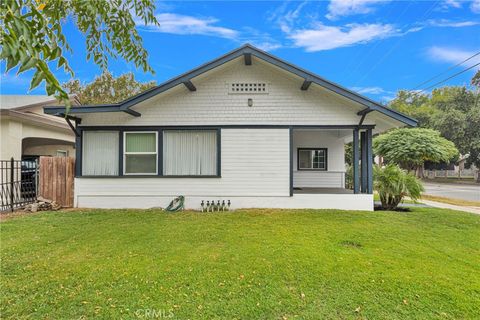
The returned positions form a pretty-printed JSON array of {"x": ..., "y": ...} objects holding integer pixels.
[
  {"x": 318, "y": 179},
  {"x": 255, "y": 162}
]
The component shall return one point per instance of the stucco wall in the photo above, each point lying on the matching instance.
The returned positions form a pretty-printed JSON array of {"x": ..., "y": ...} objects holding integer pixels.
[{"x": 13, "y": 131}]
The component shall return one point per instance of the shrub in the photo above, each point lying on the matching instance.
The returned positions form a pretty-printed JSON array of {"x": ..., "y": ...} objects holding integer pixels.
[{"x": 393, "y": 184}]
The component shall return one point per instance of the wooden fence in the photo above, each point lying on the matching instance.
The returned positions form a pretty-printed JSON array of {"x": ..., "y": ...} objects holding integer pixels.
[{"x": 56, "y": 179}]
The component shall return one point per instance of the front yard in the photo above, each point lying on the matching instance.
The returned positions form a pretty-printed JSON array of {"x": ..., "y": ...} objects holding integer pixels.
[{"x": 249, "y": 264}]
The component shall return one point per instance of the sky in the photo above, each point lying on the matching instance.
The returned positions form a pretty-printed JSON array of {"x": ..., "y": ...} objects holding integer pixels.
[{"x": 373, "y": 47}]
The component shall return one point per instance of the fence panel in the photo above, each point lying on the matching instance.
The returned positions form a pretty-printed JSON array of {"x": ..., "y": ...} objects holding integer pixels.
[
  {"x": 56, "y": 179},
  {"x": 18, "y": 183}
]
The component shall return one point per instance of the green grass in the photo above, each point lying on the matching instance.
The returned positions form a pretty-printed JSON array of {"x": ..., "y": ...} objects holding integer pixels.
[{"x": 249, "y": 264}]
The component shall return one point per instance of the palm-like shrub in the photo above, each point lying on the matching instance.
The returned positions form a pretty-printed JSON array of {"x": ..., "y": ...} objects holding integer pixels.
[{"x": 393, "y": 184}]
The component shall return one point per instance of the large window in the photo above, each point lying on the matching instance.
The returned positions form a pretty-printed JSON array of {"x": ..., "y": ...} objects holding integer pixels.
[
  {"x": 140, "y": 153},
  {"x": 100, "y": 153},
  {"x": 312, "y": 159},
  {"x": 190, "y": 153}
]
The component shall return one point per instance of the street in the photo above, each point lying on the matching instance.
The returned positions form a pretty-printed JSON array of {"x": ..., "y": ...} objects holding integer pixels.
[{"x": 455, "y": 191}]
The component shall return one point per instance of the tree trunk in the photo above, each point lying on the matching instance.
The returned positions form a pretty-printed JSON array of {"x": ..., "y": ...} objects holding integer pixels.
[{"x": 419, "y": 171}]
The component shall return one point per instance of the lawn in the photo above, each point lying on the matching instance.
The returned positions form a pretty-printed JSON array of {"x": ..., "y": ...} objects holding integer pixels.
[{"x": 248, "y": 264}]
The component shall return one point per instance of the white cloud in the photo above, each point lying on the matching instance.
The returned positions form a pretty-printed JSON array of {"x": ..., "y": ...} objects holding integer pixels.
[
  {"x": 451, "y": 55},
  {"x": 451, "y": 4},
  {"x": 259, "y": 39},
  {"x": 370, "y": 90},
  {"x": 338, "y": 8},
  {"x": 475, "y": 6},
  {"x": 324, "y": 37},
  {"x": 181, "y": 24},
  {"x": 452, "y": 24}
]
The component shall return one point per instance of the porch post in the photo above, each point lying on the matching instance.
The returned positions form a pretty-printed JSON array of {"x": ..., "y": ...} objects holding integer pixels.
[
  {"x": 355, "y": 159},
  {"x": 363, "y": 163},
  {"x": 290, "y": 132},
  {"x": 369, "y": 163},
  {"x": 78, "y": 153}
]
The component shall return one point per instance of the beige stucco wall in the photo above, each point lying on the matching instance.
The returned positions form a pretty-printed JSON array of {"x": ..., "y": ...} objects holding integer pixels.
[{"x": 13, "y": 131}]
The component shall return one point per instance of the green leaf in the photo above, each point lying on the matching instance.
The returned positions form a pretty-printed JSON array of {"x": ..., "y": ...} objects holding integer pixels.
[
  {"x": 29, "y": 64},
  {"x": 37, "y": 78}
]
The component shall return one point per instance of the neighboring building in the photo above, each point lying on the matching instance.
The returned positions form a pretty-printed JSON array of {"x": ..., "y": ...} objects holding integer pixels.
[
  {"x": 27, "y": 133},
  {"x": 246, "y": 127}
]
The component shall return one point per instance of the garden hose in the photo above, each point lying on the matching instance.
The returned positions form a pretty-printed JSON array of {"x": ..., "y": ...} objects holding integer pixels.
[{"x": 176, "y": 204}]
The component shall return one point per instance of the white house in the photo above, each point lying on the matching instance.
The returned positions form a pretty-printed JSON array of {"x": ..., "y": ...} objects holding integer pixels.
[{"x": 246, "y": 127}]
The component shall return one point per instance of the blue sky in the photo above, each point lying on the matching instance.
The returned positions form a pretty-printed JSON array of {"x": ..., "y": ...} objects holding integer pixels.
[{"x": 373, "y": 47}]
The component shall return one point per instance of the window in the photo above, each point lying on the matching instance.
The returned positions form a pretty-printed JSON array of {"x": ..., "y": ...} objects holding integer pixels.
[
  {"x": 62, "y": 153},
  {"x": 312, "y": 159},
  {"x": 190, "y": 153},
  {"x": 140, "y": 153},
  {"x": 100, "y": 153}
]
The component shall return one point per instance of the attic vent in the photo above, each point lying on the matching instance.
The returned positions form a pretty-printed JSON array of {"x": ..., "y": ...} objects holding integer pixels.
[{"x": 247, "y": 87}]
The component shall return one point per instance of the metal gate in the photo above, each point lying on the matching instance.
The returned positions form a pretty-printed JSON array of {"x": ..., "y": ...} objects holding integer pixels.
[{"x": 18, "y": 182}]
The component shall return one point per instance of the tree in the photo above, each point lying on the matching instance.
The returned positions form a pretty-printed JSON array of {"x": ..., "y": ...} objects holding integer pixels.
[
  {"x": 393, "y": 184},
  {"x": 32, "y": 37},
  {"x": 107, "y": 89},
  {"x": 451, "y": 110},
  {"x": 476, "y": 79},
  {"x": 410, "y": 148}
]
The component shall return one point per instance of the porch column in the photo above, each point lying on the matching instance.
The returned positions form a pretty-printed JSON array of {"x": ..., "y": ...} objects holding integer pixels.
[
  {"x": 363, "y": 163},
  {"x": 369, "y": 163},
  {"x": 355, "y": 159}
]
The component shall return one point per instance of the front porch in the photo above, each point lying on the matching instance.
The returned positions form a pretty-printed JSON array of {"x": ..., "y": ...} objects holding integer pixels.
[{"x": 318, "y": 162}]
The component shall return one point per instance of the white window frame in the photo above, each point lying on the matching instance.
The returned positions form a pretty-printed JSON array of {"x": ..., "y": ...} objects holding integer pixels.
[
  {"x": 125, "y": 153},
  {"x": 63, "y": 152},
  {"x": 325, "y": 159}
]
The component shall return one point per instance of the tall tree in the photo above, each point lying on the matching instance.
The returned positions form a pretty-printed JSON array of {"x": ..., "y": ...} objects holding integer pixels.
[
  {"x": 410, "y": 148},
  {"x": 32, "y": 36},
  {"x": 107, "y": 89},
  {"x": 452, "y": 110}
]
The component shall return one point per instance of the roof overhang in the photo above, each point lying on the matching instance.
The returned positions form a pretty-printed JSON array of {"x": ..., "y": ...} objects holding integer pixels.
[{"x": 247, "y": 51}]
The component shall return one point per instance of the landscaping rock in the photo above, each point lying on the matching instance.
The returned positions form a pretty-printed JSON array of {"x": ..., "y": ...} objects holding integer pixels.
[{"x": 42, "y": 205}]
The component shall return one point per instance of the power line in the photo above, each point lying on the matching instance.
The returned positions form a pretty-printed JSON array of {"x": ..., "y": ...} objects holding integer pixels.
[
  {"x": 452, "y": 76},
  {"x": 442, "y": 73},
  {"x": 395, "y": 45}
]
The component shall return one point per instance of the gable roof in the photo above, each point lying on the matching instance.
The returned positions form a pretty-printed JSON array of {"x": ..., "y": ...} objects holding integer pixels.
[{"x": 247, "y": 51}]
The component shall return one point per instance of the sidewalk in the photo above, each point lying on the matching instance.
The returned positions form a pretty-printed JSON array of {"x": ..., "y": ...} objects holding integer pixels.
[{"x": 435, "y": 204}]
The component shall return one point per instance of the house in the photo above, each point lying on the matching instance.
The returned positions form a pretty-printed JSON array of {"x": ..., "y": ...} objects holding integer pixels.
[
  {"x": 27, "y": 133},
  {"x": 246, "y": 127}
]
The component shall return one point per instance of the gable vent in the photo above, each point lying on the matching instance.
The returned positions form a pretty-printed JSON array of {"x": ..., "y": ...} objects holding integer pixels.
[{"x": 248, "y": 87}]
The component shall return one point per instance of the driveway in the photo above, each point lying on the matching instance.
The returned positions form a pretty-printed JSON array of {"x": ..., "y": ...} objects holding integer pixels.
[{"x": 455, "y": 191}]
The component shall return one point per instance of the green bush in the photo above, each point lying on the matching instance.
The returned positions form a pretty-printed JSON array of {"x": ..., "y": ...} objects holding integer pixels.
[{"x": 393, "y": 184}]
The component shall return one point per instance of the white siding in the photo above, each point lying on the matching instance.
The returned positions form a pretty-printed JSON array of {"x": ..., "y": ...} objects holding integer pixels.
[
  {"x": 333, "y": 140},
  {"x": 255, "y": 162},
  {"x": 212, "y": 104}
]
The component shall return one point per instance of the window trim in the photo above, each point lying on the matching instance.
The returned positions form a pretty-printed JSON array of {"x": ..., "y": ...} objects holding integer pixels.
[
  {"x": 325, "y": 150},
  {"x": 65, "y": 153},
  {"x": 125, "y": 153},
  {"x": 217, "y": 174}
]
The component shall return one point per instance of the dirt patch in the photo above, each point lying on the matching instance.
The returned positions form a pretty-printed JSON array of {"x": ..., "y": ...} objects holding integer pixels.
[{"x": 4, "y": 216}]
